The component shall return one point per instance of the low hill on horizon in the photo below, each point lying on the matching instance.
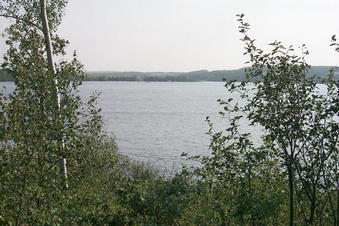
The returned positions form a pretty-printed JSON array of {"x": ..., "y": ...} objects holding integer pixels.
[{"x": 193, "y": 76}]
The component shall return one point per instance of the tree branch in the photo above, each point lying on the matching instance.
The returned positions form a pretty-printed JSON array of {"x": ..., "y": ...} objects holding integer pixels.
[{"x": 20, "y": 19}]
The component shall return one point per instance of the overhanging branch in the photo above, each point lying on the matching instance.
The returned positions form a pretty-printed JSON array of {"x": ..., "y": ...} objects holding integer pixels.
[{"x": 20, "y": 19}]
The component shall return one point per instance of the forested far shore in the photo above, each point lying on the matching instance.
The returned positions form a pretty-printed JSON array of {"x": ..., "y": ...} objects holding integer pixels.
[{"x": 193, "y": 76}]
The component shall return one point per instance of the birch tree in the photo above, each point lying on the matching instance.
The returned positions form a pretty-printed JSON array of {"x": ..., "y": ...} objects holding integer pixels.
[
  {"x": 43, "y": 120},
  {"x": 13, "y": 9},
  {"x": 51, "y": 66}
]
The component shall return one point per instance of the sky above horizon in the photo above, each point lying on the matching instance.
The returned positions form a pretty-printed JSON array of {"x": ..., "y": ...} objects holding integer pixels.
[{"x": 188, "y": 35}]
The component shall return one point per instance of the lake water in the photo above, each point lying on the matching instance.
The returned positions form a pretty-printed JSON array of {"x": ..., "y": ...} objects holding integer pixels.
[{"x": 155, "y": 122}]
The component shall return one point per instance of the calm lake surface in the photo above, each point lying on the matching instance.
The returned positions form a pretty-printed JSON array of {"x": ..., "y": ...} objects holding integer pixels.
[{"x": 157, "y": 121}]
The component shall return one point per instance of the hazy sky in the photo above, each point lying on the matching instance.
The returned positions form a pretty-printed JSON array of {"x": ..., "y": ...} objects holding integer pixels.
[{"x": 186, "y": 35}]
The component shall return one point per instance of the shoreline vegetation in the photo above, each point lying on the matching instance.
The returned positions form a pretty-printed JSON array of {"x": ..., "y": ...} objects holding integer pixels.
[{"x": 193, "y": 76}]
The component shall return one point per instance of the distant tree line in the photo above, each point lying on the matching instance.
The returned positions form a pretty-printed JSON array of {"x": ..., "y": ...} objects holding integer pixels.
[{"x": 193, "y": 76}]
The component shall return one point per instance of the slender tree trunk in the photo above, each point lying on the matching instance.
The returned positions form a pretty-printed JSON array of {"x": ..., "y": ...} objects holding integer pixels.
[
  {"x": 291, "y": 191},
  {"x": 51, "y": 66},
  {"x": 312, "y": 211}
]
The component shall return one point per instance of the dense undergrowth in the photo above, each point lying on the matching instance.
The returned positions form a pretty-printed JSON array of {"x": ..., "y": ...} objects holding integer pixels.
[{"x": 114, "y": 190}]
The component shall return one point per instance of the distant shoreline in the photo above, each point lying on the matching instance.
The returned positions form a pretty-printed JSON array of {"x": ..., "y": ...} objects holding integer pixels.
[{"x": 193, "y": 76}]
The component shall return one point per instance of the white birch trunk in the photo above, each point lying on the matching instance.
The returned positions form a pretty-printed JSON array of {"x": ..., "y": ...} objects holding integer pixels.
[{"x": 51, "y": 66}]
